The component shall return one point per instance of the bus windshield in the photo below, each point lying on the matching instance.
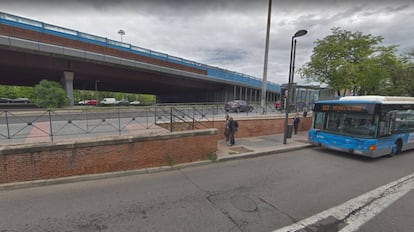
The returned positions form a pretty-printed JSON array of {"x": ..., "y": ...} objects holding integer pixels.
[{"x": 354, "y": 124}]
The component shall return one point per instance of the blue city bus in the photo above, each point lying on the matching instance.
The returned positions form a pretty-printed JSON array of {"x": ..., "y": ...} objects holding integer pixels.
[{"x": 370, "y": 126}]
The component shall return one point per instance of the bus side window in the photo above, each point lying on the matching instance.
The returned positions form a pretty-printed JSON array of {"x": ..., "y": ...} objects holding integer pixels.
[
  {"x": 401, "y": 126},
  {"x": 410, "y": 121},
  {"x": 400, "y": 122},
  {"x": 410, "y": 126}
]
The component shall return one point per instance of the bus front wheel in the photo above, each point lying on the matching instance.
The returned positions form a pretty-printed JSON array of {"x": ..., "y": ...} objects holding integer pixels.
[{"x": 396, "y": 148}]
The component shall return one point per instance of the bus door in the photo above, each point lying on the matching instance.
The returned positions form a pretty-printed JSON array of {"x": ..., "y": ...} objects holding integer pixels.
[
  {"x": 385, "y": 129},
  {"x": 389, "y": 124}
]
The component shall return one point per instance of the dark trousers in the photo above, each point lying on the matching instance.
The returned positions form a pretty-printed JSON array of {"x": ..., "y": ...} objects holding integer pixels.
[
  {"x": 231, "y": 135},
  {"x": 295, "y": 128}
]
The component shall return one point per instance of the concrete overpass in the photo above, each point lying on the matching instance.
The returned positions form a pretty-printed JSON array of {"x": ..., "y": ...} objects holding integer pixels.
[{"x": 31, "y": 51}]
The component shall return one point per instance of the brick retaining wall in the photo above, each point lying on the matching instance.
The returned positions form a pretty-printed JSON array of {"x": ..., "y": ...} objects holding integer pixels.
[
  {"x": 258, "y": 127},
  {"x": 45, "y": 161},
  {"x": 248, "y": 126}
]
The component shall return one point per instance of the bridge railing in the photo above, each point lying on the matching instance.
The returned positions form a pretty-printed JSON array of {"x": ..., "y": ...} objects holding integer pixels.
[{"x": 214, "y": 72}]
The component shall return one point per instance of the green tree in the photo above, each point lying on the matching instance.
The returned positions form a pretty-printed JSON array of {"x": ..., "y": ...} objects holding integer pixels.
[
  {"x": 146, "y": 99},
  {"x": 50, "y": 94},
  {"x": 351, "y": 61},
  {"x": 24, "y": 91},
  {"x": 9, "y": 91},
  {"x": 408, "y": 70},
  {"x": 394, "y": 84}
]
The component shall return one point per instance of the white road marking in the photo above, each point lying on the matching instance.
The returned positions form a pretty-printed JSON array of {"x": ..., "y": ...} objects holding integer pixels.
[{"x": 356, "y": 212}]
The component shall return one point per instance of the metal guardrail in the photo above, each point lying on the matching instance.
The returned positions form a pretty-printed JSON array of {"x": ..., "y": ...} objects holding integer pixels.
[
  {"x": 50, "y": 125},
  {"x": 17, "y": 127},
  {"x": 212, "y": 71}
]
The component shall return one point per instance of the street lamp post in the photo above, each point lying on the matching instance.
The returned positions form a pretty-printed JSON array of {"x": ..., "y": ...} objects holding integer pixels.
[
  {"x": 121, "y": 33},
  {"x": 291, "y": 74},
  {"x": 264, "y": 82}
]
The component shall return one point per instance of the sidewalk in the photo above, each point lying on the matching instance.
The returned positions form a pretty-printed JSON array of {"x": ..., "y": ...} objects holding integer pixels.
[{"x": 260, "y": 145}]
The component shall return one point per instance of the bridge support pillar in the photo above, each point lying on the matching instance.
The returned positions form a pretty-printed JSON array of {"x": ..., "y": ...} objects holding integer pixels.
[{"x": 67, "y": 81}]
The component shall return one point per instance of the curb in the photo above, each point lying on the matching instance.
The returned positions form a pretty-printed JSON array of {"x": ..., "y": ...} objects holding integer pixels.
[
  {"x": 100, "y": 176},
  {"x": 262, "y": 153}
]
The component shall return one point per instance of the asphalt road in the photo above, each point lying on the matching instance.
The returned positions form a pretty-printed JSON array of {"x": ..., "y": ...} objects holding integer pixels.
[{"x": 256, "y": 194}]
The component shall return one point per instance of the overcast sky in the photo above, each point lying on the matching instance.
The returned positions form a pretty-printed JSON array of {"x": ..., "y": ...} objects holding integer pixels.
[{"x": 229, "y": 34}]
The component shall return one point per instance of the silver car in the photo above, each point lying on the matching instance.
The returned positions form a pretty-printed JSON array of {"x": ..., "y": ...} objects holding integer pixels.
[{"x": 238, "y": 106}]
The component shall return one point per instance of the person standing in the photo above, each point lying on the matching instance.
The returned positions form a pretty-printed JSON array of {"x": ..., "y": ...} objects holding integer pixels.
[
  {"x": 277, "y": 105},
  {"x": 233, "y": 126},
  {"x": 296, "y": 121},
  {"x": 226, "y": 128}
]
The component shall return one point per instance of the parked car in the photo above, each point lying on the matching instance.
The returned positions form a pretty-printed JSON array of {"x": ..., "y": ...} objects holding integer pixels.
[
  {"x": 91, "y": 102},
  {"x": 109, "y": 101},
  {"x": 5, "y": 100},
  {"x": 87, "y": 102},
  {"x": 123, "y": 102},
  {"x": 21, "y": 100},
  {"x": 135, "y": 103},
  {"x": 238, "y": 106},
  {"x": 82, "y": 102}
]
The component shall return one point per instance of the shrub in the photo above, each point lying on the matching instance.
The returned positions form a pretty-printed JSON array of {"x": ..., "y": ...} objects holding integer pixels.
[{"x": 50, "y": 94}]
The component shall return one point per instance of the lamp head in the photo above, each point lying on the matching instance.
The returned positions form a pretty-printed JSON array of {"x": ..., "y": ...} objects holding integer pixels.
[
  {"x": 121, "y": 32},
  {"x": 300, "y": 33}
]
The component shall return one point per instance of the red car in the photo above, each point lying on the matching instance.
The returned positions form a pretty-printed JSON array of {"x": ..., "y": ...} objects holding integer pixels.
[
  {"x": 88, "y": 102},
  {"x": 91, "y": 102}
]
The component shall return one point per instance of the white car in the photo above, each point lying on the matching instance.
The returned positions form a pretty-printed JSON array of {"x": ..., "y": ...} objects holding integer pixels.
[
  {"x": 109, "y": 101},
  {"x": 21, "y": 100},
  {"x": 83, "y": 102},
  {"x": 135, "y": 103}
]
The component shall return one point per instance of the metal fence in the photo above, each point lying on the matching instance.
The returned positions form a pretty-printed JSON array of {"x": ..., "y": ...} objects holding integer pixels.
[{"x": 35, "y": 126}]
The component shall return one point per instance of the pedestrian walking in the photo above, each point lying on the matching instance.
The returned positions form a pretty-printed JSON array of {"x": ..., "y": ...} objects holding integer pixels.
[
  {"x": 233, "y": 126},
  {"x": 226, "y": 128},
  {"x": 296, "y": 121},
  {"x": 277, "y": 105}
]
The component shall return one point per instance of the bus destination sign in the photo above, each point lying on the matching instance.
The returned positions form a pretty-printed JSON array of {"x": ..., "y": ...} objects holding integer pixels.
[{"x": 350, "y": 108}]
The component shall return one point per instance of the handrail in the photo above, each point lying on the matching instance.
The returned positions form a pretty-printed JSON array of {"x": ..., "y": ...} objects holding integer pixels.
[{"x": 212, "y": 71}]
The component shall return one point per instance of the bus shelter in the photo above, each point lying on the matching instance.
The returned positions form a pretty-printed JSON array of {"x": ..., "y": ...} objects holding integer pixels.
[{"x": 304, "y": 96}]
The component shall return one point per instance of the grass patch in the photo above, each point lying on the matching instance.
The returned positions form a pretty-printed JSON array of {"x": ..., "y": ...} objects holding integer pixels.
[
  {"x": 170, "y": 161},
  {"x": 212, "y": 156}
]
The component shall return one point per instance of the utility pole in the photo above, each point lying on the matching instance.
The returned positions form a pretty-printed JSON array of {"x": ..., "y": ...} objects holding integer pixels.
[{"x": 264, "y": 82}]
